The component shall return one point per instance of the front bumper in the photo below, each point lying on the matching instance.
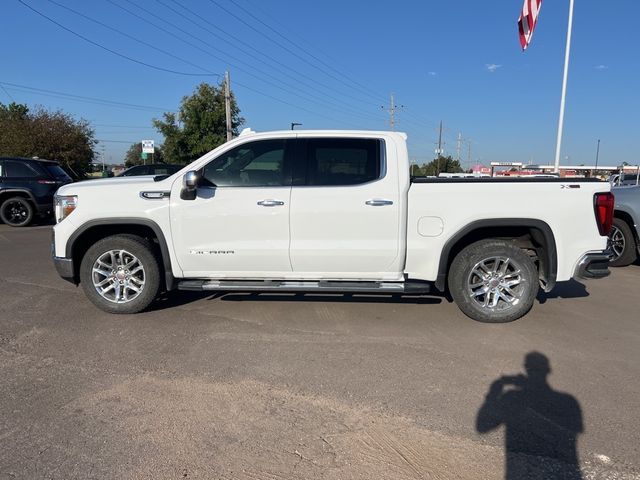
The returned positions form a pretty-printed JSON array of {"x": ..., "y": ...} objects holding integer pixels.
[
  {"x": 45, "y": 210},
  {"x": 64, "y": 267},
  {"x": 593, "y": 265}
]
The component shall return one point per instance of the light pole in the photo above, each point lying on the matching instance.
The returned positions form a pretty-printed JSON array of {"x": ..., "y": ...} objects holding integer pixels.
[
  {"x": 597, "y": 154},
  {"x": 294, "y": 125}
]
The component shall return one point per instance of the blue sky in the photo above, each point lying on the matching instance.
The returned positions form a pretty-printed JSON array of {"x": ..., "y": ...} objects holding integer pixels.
[{"x": 333, "y": 64}]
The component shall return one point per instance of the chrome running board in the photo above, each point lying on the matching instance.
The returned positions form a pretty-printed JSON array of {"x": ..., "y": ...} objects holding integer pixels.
[{"x": 412, "y": 288}]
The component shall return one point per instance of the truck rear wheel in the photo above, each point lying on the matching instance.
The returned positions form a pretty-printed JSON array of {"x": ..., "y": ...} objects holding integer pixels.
[
  {"x": 120, "y": 274},
  {"x": 493, "y": 281}
]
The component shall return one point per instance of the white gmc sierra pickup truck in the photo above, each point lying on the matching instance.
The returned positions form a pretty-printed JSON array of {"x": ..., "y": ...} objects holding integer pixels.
[{"x": 329, "y": 211}]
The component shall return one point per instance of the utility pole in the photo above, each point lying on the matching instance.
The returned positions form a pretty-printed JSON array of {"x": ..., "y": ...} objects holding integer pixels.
[
  {"x": 439, "y": 149},
  {"x": 227, "y": 104},
  {"x": 102, "y": 156},
  {"x": 597, "y": 155},
  {"x": 392, "y": 112},
  {"x": 458, "y": 147}
]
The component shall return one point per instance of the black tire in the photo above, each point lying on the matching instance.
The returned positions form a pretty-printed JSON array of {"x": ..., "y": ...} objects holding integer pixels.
[
  {"x": 16, "y": 212},
  {"x": 475, "y": 295},
  {"x": 622, "y": 244},
  {"x": 131, "y": 247}
]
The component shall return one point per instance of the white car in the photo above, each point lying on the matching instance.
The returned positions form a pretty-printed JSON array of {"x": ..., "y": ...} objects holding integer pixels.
[{"x": 329, "y": 211}]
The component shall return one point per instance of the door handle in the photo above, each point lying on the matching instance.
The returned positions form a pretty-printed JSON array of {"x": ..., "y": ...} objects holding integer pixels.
[
  {"x": 378, "y": 202},
  {"x": 270, "y": 203}
]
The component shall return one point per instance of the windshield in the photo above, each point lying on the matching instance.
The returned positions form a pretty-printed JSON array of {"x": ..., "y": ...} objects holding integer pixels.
[{"x": 56, "y": 171}]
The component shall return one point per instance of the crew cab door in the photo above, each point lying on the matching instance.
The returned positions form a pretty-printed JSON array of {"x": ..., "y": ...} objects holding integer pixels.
[
  {"x": 238, "y": 224},
  {"x": 345, "y": 210}
]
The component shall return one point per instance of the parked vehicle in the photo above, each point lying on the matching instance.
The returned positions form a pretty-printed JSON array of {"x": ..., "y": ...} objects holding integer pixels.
[
  {"x": 330, "y": 211},
  {"x": 27, "y": 187},
  {"x": 151, "y": 169},
  {"x": 626, "y": 179},
  {"x": 625, "y": 234}
]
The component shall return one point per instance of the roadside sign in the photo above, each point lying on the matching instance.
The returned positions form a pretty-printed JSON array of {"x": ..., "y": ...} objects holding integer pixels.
[
  {"x": 147, "y": 146},
  {"x": 143, "y": 155}
]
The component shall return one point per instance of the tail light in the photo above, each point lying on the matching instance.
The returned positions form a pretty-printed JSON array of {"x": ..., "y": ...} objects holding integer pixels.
[{"x": 603, "y": 204}]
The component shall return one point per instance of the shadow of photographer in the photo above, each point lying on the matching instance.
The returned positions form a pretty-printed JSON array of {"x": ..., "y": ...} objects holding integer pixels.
[{"x": 541, "y": 425}]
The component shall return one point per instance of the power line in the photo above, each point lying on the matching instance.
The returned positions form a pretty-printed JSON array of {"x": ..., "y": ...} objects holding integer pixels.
[
  {"x": 198, "y": 19},
  {"x": 124, "y": 34},
  {"x": 8, "y": 94},
  {"x": 418, "y": 120},
  {"x": 262, "y": 72},
  {"x": 122, "y": 104},
  {"x": 99, "y": 45},
  {"x": 284, "y": 47},
  {"x": 290, "y": 104},
  {"x": 304, "y": 95},
  {"x": 331, "y": 67},
  {"x": 81, "y": 98}
]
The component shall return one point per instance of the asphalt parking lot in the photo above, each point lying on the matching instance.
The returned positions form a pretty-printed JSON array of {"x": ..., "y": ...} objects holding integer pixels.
[{"x": 280, "y": 386}]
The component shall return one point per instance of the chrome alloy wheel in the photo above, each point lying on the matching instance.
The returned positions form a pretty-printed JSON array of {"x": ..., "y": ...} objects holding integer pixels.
[
  {"x": 118, "y": 276},
  {"x": 616, "y": 243},
  {"x": 496, "y": 283}
]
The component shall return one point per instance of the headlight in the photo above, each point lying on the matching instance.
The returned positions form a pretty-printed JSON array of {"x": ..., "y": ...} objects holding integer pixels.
[{"x": 64, "y": 204}]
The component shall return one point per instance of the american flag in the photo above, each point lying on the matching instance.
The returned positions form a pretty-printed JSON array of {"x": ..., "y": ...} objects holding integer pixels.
[{"x": 527, "y": 21}]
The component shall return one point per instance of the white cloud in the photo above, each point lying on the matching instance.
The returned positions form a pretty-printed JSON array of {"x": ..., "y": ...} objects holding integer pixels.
[
  {"x": 492, "y": 67},
  {"x": 432, "y": 74},
  {"x": 601, "y": 67}
]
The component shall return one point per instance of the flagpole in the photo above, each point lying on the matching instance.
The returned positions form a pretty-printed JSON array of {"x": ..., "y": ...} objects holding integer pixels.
[{"x": 564, "y": 87}]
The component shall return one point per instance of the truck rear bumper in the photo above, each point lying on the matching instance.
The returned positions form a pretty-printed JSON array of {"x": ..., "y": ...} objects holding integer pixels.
[{"x": 593, "y": 265}]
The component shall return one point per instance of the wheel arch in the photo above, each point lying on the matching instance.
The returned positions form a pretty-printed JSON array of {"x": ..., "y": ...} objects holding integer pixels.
[
  {"x": 629, "y": 220},
  {"x": 528, "y": 232},
  {"x": 90, "y": 232},
  {"x": 17, "y": 192}
]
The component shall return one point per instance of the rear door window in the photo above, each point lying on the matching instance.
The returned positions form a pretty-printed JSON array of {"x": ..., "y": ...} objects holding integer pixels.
[
  {"x": 342, "y": 161},
  {"x": 57, "y": 172},
  {"x": 19, "y": 170}
]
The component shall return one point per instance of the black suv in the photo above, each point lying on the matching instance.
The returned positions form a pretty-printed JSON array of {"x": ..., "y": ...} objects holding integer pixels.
[{"x": 27, "y": 187}]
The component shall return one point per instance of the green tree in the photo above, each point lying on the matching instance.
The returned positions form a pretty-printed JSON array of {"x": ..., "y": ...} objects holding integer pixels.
[
  {"x": 439, "y": 165},
  {"x": 133, "y": 155},
  {"x": 199, "y": 126},
  {"x": 45, "y": 134}
]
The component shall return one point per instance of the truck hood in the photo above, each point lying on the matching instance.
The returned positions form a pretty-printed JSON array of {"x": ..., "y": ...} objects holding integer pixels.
[{"x": 110, "y": 183}]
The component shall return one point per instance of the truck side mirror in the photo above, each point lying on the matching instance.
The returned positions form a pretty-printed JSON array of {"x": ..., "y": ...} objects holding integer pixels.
[{"x": 190, "y": 182}]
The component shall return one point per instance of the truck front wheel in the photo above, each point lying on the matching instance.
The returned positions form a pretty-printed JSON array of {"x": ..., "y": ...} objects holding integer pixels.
[
  {"x": 493, "y": 281},
  {"x": 120, "y": 274}
]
